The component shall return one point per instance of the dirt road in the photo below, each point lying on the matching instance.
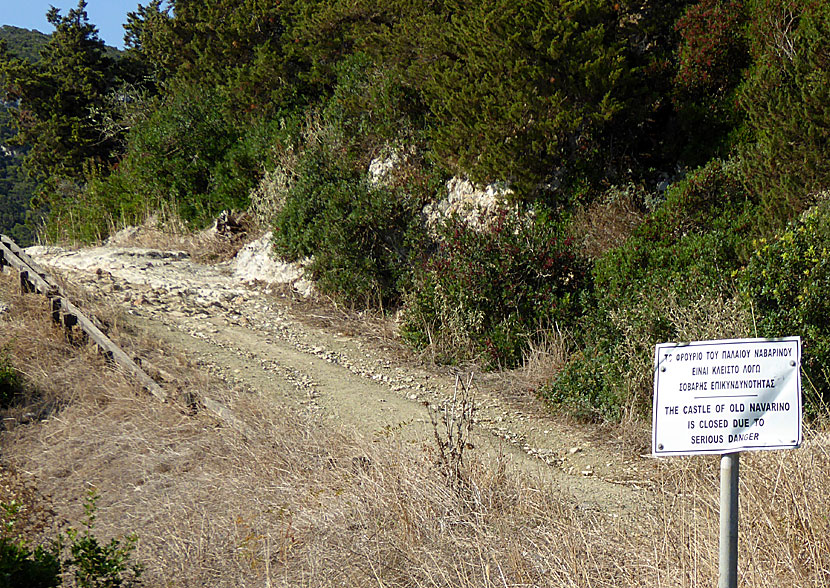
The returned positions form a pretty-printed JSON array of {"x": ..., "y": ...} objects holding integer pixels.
[{"x": 269, "y": 340}]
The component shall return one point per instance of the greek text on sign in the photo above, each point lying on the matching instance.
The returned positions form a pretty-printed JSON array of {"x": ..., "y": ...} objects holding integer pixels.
[{"x": 727, "y": 396}]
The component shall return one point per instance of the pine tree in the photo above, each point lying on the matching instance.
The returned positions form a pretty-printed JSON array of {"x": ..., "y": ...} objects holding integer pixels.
[
  {"x": 786, "y": 97},
  {"x": 56, "y": 95}
]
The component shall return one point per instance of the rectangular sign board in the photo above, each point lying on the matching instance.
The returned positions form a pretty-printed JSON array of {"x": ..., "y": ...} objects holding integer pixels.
[{"x": 726, "y": 396}]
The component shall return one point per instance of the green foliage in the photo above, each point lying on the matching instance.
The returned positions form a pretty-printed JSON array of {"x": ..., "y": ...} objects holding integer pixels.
[
  {"x": 683, "y": 253},
  {"x": 98, "y": 565},
  {"x": 589, "y": 387},
  {"x": 786, "y": 281},
  {"x": 148, "y": 40},
  {"x": 20, "y": 564},
  {"x": 525, "y": 89},
  {"x": 712, "y": 56},
  {"x": 372, "y": 106},
  {"x": 10, "y": 381},
  {"x": 53, "y": 103},
  {"x": 490, "y": 291},
  {"x": 55, "y": 95},
  {"x": 695, "y": 238},
  {"x": 237, "y": 49},
  {"x": 394, "y": 41},
  {"x": 15, "y": 192},
  {"x": 787, "y": 103},
  {"x": 361, "y": 236},
  {"x": 92, "y": 564},
  {"x": 185, "y": 159},
  {"x": 23, "y": 43}
]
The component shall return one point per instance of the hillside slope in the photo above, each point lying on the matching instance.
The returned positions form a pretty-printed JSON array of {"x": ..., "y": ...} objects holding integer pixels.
[{"x": 326, "y": 472}]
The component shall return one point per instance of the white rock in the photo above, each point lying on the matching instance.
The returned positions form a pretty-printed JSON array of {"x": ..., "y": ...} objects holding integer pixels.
[
  {"x": 474, "y": 205},
  {"x": 381, "y": 167},
  {"x": 255, "y": 262}
]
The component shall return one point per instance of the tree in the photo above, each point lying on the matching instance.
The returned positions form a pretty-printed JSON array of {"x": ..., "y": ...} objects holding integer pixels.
[
  {"x": 54, "y": 98},
  {"x": 712, "y": 56},
  {"x": 236, "y": 47},
  {"x": 148, "y": 40},
  {"x": 786, "y": 98},
  {"x": 524, "y": 89}
]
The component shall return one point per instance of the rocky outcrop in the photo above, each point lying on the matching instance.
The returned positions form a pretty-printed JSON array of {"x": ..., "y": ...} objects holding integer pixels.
[
  {"x": 256, "y": 262},
  {"x": 473, "y": 205}
]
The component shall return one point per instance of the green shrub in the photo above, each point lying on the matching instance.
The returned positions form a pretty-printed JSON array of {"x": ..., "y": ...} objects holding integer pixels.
[
  {"x": 584, "y": 388},
  {"x": 22, "y": 565},
  {"x": 490, "y": 291},
  {"x": 172, "y": 156},
  {"x": 361, "y": 236},
  {"x": 91, "y": 563},
  {"x": 787, "y": 281},
  {"x": 97, "y": 565},
  {"x": 692, "y": 242},
  {"x": 524, "y": 90},
  {"x": 371, "y": 106},
  {"x": 652, "y": 288},
  {"x": 188, "y": 160}
]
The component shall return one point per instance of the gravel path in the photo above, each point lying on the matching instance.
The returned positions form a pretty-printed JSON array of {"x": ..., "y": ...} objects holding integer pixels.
[{"x": 256, "y": 337}]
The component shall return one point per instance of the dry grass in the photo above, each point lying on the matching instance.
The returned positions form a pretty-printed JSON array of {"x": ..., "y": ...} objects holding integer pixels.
[
  {"x": 545, "y": 355},
  {"x": 784, "y": 525},
  {"x": 300, "y": 502},
  {"x": 173, "y": 235},
  {"x": 607, "y": 222}
]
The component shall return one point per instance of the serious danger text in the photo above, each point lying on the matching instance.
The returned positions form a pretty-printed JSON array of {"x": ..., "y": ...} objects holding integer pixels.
[{"x": 725, "y": 396}]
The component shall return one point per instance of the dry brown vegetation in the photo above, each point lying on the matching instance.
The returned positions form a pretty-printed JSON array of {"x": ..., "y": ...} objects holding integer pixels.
[
  {"x": 606, "y": 223},
  {"x": 218, "y": 243},
  {"x": 300, "y": 501}
]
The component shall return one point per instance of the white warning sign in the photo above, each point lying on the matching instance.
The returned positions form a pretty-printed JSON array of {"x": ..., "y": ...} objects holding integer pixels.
[{"x": 727, "y": 396}]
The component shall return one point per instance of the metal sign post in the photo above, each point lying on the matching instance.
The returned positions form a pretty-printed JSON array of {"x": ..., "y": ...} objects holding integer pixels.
[
  {"x": 725, "y": 397},
  {"x": 728, "y": 566}
]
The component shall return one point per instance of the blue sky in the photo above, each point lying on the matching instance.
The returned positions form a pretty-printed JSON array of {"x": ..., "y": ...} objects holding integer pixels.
[{"x": 107, "y": 15}]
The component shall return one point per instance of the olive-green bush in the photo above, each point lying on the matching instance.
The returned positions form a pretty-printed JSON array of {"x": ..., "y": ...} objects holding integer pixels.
[
  {"x": 361, "y": 236},
  {"x": 787, "y": 281},
  {"x": 679, "y": 260}
]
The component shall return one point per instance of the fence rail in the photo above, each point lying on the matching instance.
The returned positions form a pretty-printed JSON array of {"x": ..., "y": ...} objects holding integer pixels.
[{"x": 34, "y": 279}]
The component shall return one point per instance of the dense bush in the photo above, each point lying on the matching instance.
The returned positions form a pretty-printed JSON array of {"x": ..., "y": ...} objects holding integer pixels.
[
  {"x": 185, "y": 160},
  {"x": 371, "y": 106},
  {"x": 679, "y": 260},
  {"x": 491, "y": 290},
  {"x": 787, "y": 281},
  {"x": 361, "y": 236},
  {"x": 787, "y": 102},
  {"x": 693, "y": 240},
  {"x": 21, "y": 566}
]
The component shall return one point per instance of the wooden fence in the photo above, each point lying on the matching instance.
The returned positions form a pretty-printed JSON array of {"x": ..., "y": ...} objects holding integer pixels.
[{"x": 34, "y": 279}]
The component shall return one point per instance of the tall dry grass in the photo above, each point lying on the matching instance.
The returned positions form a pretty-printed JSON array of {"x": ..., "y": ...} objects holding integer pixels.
[{"x": 300, "y": 501}]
